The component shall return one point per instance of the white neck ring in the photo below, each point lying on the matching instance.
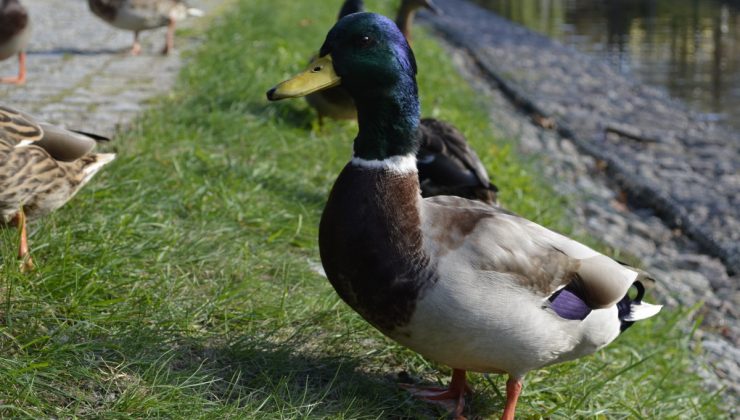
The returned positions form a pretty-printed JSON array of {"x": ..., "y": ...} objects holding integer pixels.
[{"x": 404, "y": 164}]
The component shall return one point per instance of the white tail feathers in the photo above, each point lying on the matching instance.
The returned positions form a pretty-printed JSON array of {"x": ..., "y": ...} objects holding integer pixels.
[
  {"x": 192, "y": 11},
  {"x": 101, "y": 159},
  {"x": 182, "y": 12},
  {"x": 642, "y": 310},
  {"x": 24, "y": 143}
]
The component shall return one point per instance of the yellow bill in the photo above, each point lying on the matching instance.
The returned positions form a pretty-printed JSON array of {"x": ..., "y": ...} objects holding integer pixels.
[{"x": 318, "y": 76}]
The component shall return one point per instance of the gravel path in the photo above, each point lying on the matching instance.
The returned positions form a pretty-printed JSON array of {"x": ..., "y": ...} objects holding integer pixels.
[
  {"x": 530, "y": 80},
  {"x": 79, "y": 72}
]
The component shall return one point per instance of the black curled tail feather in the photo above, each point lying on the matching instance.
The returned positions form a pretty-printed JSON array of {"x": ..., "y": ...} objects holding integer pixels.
[{"x": 624, "y": 306}]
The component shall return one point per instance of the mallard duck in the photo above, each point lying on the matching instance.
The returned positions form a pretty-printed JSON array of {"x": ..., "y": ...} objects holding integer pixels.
[
  {"x": 466, "y": 284},
  {"x": 140, "y": 15},
  {"x": 15, "y": 30},
  {"x": 447, "y": 164},
  {"x": 41, "y": 167}
]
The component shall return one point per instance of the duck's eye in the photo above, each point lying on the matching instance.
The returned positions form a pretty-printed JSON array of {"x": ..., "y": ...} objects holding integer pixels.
[{"x": 363, "y": 41}]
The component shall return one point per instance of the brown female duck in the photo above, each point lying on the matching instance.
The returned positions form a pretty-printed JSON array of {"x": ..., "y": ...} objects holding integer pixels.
[{"x": 41, "y": 168}]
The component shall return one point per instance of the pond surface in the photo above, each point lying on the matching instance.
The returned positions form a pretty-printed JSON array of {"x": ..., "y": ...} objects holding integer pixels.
[{"x": 689, "y": 47}]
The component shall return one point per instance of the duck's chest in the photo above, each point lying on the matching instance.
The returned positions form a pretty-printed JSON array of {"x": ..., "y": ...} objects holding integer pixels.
[{"x": 371, "y": 245}]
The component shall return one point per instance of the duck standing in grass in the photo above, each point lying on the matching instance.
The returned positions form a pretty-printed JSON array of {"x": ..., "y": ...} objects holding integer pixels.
[
  {"x": 466, "y": 284},
  {"x": 447, "y": 163},
  {"x": 140, "y": 15},
  {"x": 15, "y": 30},
  {"x": 41, "y": 168}
]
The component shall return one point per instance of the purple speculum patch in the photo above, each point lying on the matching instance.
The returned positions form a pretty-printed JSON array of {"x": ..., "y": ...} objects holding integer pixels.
[{"x": 568, "y": 305}]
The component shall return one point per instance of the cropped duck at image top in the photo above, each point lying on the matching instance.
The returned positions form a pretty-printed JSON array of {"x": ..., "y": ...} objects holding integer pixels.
[
  {"x": 42, "y": 166},
  {"x": 462, "y": 283},
  {"x": 15, "y": 30},
  {"x": 141, "y": 15}
]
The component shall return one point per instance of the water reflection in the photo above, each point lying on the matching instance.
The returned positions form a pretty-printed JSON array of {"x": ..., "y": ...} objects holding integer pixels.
[{"x": 691, "y": 47}]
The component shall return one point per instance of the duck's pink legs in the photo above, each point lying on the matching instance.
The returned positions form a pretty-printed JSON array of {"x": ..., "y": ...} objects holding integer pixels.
[
  {"x": 21, "y": 78},
  {"x": 170, "y": 40},
  {"x": 513, "y": 389},
  {"x": 24, "y": 254},
  {"x": 455, "y": 392},
  {"x": 136, "y": 48}
]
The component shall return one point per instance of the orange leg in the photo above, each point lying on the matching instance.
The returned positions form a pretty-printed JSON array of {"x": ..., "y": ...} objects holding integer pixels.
[
  {"x": 454, "y": 393},
  {"x": 24, "y": 253},
  {"x": 21, "y": 78},
  {"x": 136, "y": 48},
  {"x": 513, "y": 389},
  {"x": 169, "y": 45}
]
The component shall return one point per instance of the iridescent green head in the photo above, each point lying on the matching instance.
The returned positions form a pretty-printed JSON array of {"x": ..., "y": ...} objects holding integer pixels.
[{"x": 367, "y": 54}]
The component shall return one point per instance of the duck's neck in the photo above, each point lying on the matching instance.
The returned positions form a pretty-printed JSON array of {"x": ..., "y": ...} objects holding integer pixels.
[
  {"x": 349, "y": 7},
  {"x": 405, "y": 18},
  {"x": 388, "y": 125}
]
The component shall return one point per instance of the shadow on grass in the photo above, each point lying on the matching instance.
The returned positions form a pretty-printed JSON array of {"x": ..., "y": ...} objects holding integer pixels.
[
  {"x": 294, "y": 377},
  {"x": 290, "y": 112},
  {"x": 259, "y": 378}
]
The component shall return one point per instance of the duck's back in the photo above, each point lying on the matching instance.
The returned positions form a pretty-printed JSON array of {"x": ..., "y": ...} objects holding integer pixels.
[
  {"x": 449, "y": 166},
  {"x": 137, "y": 15}
]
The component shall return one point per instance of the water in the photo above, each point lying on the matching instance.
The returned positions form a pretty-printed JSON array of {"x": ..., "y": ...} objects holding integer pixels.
[{"x": 689, "y": 47}]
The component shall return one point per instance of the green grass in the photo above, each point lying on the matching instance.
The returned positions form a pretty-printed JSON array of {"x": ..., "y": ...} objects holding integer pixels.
[{"x": 179, "y": 283}]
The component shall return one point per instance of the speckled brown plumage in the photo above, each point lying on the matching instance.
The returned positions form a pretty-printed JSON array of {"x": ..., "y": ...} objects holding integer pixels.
[{"x": 33, "y": 182}]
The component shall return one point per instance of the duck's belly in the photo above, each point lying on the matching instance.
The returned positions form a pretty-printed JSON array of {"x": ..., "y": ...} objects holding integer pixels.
[
  {"x": 15, "y": 45},
  {"x": 501, "y": 330},
  {"x": 137, "y": 20}
]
